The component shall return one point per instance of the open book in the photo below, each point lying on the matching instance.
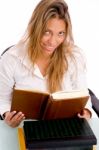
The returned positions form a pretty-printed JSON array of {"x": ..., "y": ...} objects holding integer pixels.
[{"x": 39, "y": 105}]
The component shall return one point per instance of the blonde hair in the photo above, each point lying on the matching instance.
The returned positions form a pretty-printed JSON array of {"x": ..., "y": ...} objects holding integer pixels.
[{"x": 44, "y": 11}]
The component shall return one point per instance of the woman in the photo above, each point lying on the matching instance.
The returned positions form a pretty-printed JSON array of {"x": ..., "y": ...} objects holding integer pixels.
[{"x": 45, "y": 59}]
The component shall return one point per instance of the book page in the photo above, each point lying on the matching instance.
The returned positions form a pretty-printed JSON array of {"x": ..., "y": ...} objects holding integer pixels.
[
  {"x": 31, "y": 90},
  {"x": 70, "y": 94}
]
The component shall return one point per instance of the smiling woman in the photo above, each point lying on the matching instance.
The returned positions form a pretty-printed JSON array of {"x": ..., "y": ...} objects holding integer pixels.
[
  {"x": 14, "y": 18},
  {"x": 45, "y": 59},
  {"x": 52, "y": 36}
]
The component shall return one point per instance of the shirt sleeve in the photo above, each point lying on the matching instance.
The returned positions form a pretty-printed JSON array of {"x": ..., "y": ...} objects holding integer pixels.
[
  {"x": 89, "y": 106},
  {"x": 78, "y": 70},
  {"x": 7, "y": 68},
  {"x": 78, "y": 75}
]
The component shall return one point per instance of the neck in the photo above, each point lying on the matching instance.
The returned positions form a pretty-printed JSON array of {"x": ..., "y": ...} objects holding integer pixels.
[
  {"x": 43, "y": 57},
  {"x": 43, "y": 62}
]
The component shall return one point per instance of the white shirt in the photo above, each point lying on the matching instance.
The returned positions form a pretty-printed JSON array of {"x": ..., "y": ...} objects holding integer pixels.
[{"x": 17, "y": 71}]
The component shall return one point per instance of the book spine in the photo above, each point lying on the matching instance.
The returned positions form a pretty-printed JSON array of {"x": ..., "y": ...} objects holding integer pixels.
[{"x": 43, "y": 106}]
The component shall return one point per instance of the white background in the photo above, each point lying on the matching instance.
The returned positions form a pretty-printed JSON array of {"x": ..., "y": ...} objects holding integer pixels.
[{"x": 15, "y": 14}]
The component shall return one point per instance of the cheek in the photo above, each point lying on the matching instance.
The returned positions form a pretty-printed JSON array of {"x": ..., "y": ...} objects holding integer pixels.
[
  {"x": 61, "y": 41},
  {"x": 44, "y": 39}
]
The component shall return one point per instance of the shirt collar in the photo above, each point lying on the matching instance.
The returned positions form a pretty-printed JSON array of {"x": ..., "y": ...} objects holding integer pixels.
[
  {"x": 37, "y": 72},
  {"x": 20, "y": 51}
]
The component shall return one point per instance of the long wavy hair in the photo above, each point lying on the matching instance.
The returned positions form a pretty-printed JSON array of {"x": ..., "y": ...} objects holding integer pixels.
[{"x": 58, "y": 65}]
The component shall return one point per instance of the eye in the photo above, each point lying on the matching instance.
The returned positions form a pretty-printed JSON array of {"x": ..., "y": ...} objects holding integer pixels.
[
  {"x": 62, "y": 33},
  {"x": 47, "y": 33}
]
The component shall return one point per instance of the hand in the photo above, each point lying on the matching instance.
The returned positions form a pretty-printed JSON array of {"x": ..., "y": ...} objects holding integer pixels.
[
  {"x": 13, "y": 118},
  {"x": 85, "y": 114}
]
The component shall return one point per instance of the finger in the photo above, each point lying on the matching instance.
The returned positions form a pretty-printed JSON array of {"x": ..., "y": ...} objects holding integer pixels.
[
  {"x": 15, "y": 122},
  {"x": 18, "y": 116},
  {"x": 13, "y": 119},
  {"x": 80, "y": 116},
  {"x": 10, "y": 115}
]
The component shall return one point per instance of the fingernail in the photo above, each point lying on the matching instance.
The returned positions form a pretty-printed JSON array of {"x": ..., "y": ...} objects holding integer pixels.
[{"x": 14, "y": 112}]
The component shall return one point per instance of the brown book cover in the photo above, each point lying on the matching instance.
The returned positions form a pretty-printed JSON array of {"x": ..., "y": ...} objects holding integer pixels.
[
  {"x": 39, "y": 105},
  {"x": 64, "y": 108},
  {"x": 31, "y": 103}
]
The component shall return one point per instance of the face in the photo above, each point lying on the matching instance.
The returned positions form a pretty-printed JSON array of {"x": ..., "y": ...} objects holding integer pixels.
[{"x": 53, "y": 36}]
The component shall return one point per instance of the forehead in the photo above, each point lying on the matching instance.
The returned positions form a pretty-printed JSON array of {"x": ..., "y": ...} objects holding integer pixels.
[{"x": 56, "y": 24}]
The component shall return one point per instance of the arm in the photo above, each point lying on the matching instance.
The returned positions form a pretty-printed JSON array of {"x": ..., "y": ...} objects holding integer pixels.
[
  {"x": 79, "y": 82},
  {"x": 7, "y": 68}
]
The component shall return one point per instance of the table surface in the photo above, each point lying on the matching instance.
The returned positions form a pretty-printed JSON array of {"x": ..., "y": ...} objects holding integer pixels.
[{"x": 9, "y": 136}]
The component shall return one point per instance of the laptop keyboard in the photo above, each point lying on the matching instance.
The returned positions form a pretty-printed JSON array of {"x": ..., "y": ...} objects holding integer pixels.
[{"x": 57, "y": 129}]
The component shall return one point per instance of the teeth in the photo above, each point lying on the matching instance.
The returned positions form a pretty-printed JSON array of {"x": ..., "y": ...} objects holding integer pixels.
[{"x": 49, "y": 47}]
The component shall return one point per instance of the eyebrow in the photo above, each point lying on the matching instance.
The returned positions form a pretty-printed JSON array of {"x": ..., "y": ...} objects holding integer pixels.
[{"x": 51, "y": 30}]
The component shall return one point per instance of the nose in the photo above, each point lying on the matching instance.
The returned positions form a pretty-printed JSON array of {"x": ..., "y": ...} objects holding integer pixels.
[{"x": 53, "y": 40}]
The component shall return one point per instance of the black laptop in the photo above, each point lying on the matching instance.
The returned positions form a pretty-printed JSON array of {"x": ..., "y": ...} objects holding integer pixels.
[{"x": 62, "y": 134}]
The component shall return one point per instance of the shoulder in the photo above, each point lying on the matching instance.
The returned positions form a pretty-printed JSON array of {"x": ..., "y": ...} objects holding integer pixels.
[
  {"x": 17, "y": 54},
  {"x": 77, "y": 60},
  {"x": 17, "y": 50},
  {"x": 77, "y": 54}
]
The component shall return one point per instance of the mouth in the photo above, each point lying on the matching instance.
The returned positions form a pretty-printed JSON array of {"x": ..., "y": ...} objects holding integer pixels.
[{"x": 49, "y": 48}]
